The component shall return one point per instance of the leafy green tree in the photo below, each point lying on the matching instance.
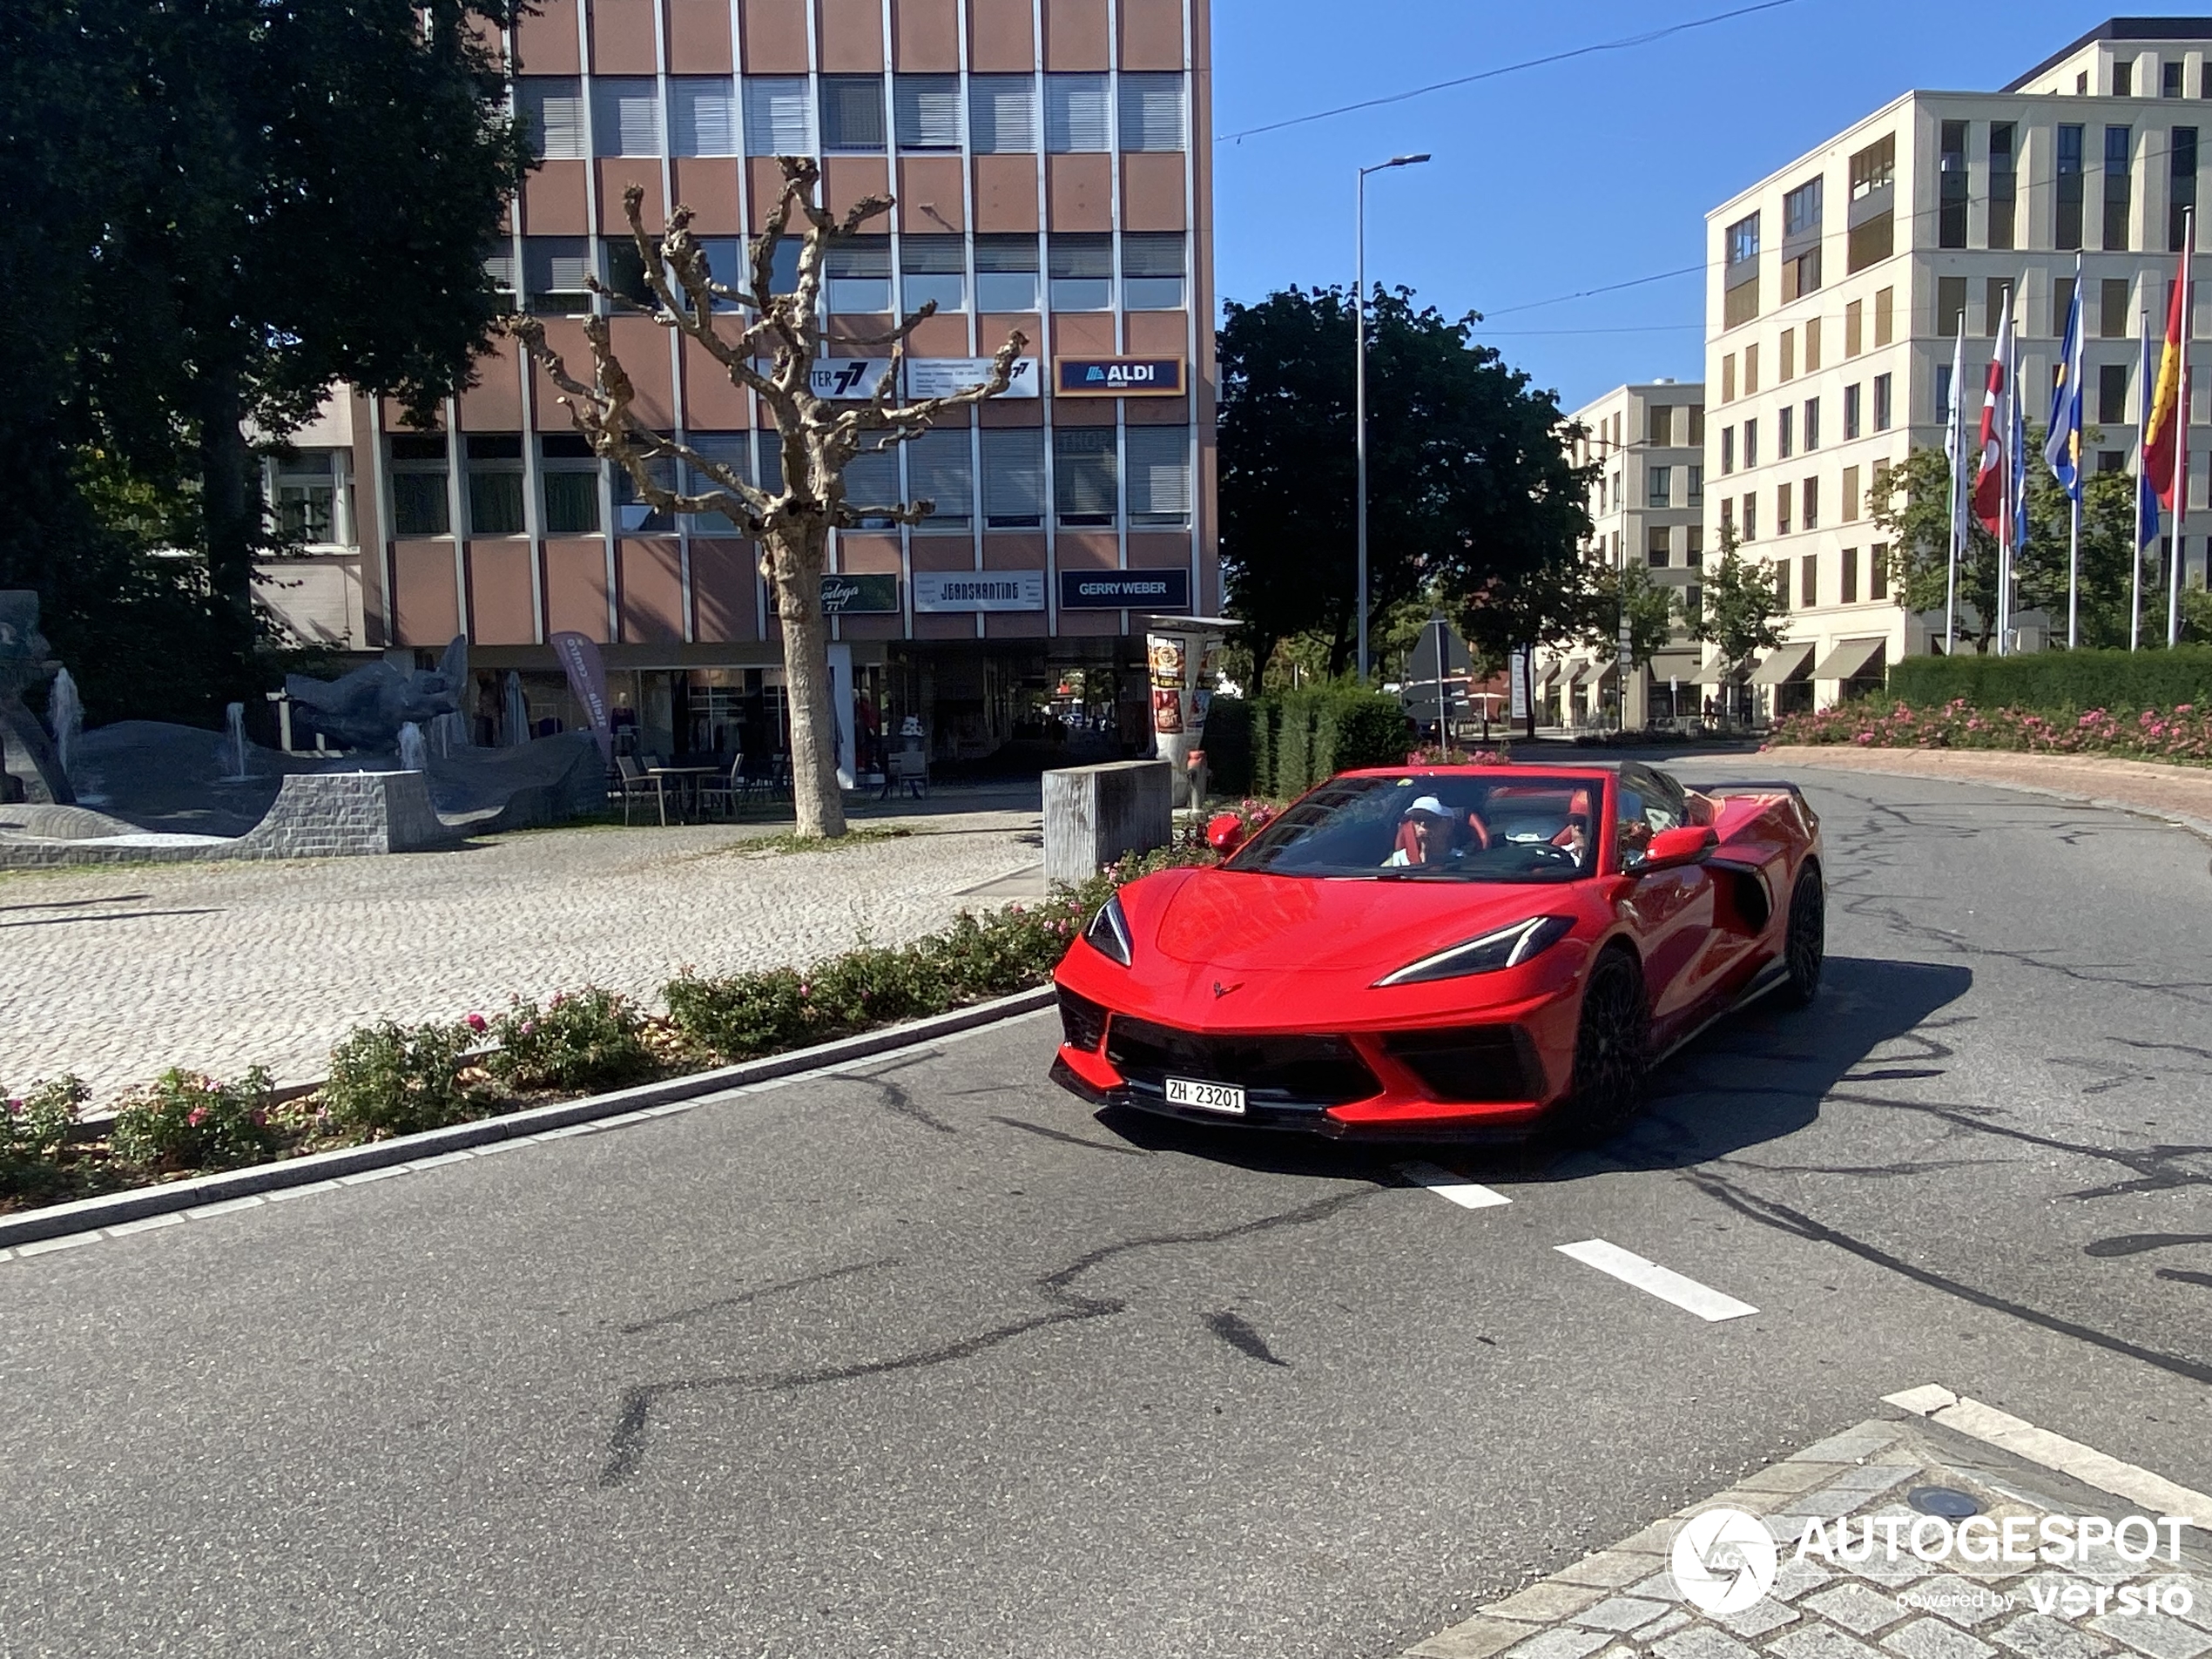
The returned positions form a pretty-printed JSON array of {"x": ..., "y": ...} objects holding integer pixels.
[
  {"x": 231, "y": 205},
  {"x": 1914, "y": 507},
  {"x": 1651, "y": 611},
  {"x": 1736, "y": 609},
  {"x": 1470, "y": 494}
]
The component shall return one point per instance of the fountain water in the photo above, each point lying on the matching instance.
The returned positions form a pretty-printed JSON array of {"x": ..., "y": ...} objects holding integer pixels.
[
  {"x": 414, "y": 754},
  {"x": 66, "y": 713},
  {"x": 234, "y": 741}
]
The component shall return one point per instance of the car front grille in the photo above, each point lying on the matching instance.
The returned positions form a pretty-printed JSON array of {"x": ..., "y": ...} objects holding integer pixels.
[
  {"x": 1474, "y": 1064},
  {"x": 1083, "y": 1022},
  {"x": 1326, "y": 1071}
]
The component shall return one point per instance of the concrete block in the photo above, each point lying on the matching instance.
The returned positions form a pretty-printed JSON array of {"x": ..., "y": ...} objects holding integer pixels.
[{"x": 1095, "y": 814}]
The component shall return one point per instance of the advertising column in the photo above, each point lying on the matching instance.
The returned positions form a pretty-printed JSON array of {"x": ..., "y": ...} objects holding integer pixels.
[{"x": 1182, "y": 655}]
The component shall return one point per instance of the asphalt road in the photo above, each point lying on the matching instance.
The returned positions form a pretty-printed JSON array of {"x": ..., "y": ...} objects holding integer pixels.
[{"x": 924, "y": 1360}]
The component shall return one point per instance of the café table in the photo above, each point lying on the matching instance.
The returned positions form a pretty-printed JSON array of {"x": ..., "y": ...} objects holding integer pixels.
[{"x": 687, "y": 787}]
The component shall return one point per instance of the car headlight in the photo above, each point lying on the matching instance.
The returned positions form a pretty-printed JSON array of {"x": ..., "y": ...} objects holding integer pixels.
[
  {"x": 1508, "y": 947},
  {"x": 1109, "y": 931}
]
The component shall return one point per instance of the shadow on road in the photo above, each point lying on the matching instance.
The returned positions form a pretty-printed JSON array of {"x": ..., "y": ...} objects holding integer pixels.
[{"x": 1753, "y": 1078}]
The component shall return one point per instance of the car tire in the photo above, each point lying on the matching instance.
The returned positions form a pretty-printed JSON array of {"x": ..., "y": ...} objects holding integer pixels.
[
  {"x": 1804, "y": 940},
  {"x": 1612, "y": 1047}
]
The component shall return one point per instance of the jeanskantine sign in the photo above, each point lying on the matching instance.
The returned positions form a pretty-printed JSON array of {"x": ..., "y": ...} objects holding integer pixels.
[{"x": 973, "y": 590}]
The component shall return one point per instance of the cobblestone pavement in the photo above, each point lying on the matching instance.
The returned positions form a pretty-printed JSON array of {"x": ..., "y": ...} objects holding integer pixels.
[
  {"x": 115, "y": 974},
  {"x": 1624, "y": 1603}
]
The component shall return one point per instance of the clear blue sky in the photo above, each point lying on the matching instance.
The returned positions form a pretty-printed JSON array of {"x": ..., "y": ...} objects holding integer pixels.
[{"x": 1564, "y": 178}]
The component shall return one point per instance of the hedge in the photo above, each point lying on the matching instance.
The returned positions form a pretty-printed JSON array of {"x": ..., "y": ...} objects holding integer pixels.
[
  {"x": 1228, "y": 744},
  {"x": 1298, "y": 740},
  {"x": 2058, "y": 681}
]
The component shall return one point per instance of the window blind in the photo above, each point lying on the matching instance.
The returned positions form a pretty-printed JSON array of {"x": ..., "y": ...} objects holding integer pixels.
[
  {"x": 853, "y": 113},
  {"x": 1076, "y": 115},
  {"x": 705, "y": 115},
  {"x": 555, "y": 106},
  {"x": 625, "y": 116},
  {"x": 1082, "y": 475},
  {"x": 1003, "y": 114},
  {"x": 928, "y": 108},
  {"x": 778, "y": 116},
  {"x": 941, "y": 471},
  {"x": 1012, "y": 477},
  {"x": 1152, "y": 112},
  {"x": 1159, "y": 475}
]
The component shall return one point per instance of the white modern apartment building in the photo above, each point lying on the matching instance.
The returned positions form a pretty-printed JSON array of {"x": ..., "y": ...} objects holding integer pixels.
[
  {"x": 1835, "y": 287},
  {"x": 1647, "y": 508}
]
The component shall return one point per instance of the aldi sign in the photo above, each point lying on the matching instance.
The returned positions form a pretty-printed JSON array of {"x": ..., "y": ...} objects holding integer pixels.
[{"x": 1119, "y": 376}]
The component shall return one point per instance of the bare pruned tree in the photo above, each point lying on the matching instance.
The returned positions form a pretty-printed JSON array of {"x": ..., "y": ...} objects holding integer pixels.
[{"x": 768, "y": 345}]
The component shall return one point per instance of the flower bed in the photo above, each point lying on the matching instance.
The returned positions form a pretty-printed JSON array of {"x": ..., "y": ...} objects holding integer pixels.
[
  {"x": 2182, "y": 733},
  {"x": 388, "y": 1079}
]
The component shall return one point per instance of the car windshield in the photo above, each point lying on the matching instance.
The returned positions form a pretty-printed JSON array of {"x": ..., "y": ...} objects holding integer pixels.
[{"x": 1445, "y": 826}]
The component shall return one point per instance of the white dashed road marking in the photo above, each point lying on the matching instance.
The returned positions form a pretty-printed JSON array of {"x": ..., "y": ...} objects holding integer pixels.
[
  {"x": 1661, "y": 1282},
  {"x": 1444, "y": 1184}
]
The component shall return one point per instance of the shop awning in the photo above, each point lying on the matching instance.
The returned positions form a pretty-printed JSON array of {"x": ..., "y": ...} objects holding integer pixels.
[
  {"x": 1577, "y": 672},
  {"x": 1545, "y": 673},
  {"x": 1712, "y": 673},
  {"x": 1785, "y": 663},
  {"x": 1610, "y": 671},
  {"x": 1848, "y": 659}
]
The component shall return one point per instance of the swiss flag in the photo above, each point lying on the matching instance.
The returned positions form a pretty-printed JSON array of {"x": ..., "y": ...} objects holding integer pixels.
[{"x": 1992, "y": 481}]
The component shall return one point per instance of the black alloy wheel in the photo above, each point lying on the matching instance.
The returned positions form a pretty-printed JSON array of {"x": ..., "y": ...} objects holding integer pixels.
[
  {"x": 1804, "y": 944},
  {"x": 1612, "y": 1047}
]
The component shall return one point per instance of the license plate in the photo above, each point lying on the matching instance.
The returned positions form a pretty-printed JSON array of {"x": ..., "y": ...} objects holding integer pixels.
[{"x": 1207, "y": 1097}]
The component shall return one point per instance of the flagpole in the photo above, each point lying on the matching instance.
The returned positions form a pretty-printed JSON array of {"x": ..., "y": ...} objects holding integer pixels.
[
  {"x": 2181, "y": 437},
  {"x": 1956, "y": 442}
]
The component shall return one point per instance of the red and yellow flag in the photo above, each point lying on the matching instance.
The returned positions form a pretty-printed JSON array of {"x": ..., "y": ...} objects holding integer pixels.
[{"x": 2165, "y": 429}]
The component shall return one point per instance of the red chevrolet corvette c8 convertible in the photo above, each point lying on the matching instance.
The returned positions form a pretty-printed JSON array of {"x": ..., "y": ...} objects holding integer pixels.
[{"x": 1447, "y": 952}]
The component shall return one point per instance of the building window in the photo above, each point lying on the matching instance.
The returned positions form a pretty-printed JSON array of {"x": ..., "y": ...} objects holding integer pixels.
[
  {"x": 1659, "y": 486},
  {"x": 554, "y": 107},
  {"x": 1785, "y": 433},
  {"x": 1809, "y": 581},
  {"x": 932, "y": 268},
  {"x": 2169, "y": 80},
  {"x": 1951, "y": 206},
  {"x": 1993, "y": 290},
  {"x": 2112, "y": 309},
  {"x": 553, "y": 272},
  {"x": 1658, "y": 546},
  {"x": 1659, "y": 425},
  {"x": 1003, "y": 114},
  {"x": 1728, "y": 377},
  {"x": 1809, "y": 503},
  {"x": 1786, "y": 370},
  {"x": 926, "y": 111},
  {"x": 625, "y": 115},
  {"x": 1873, "y": 180},
  {"x": 1850, "y": 412},
  {"x": 2123, "y": 79},
  {"x": 1152, "y": 106},
  {"x": 1081, "y": 265},
  {"x": 1750, "y": 444},
  {"x": 308, "y": 497},
  {"x": 940, "y": 469},
  {"x": 1697, "y": 492},
  {"x": 1159, "y": 476},
  {"x": 2120, "y": 187},
  {"x": 495, "y": 484},
  {"x": 1882, "y": 410},
  {"x": 872, "y": 480},
  {"x": 1854, "y": 330},
  {"x": 1083, "y": 486},
  {"x": 1727, "y": 450},
  {"x": 1727, "y": 517},
  {"x": 1012, "y": 477},
  {"x": 420, "y": 505},
  {"x": 2003, "y": 183},
  {"x": 2112, "y": 392},
  {"x": 2061, "y": 305},
  {"x": 1782, "y": 583},
  {"x": 1751, "y": 368},
  {"x": 623, "y": 271},
  {"x": 1951, "y": 305},
  {"x": 1877, "y": 571},
  {"x": 1851, "y": 494},
  {"x": 2180, "y": 183},
  {"x": 1812, "y": 424},
  {"x": 1740, "y": 283},
  {"x": 1695, "y": 557},
  {"x": 1076, "y": 116},
  {"x": 1750, "y": 518},
  {"x": 1801, "y": 210},
  {"x": 778, "y": 116},
  {"x": 860, "y": 274},
  {"x": 768, "y": 462},
  {"x": 1781, "y": 509},
  {"x": 1847, "y": 577},
  {"x": 1152, "y": 265},
  {"x": 704, "y": 111},
  {"x": 634, "y": 515},
  {"x": 1943, "y": 391},
  {"x": 1885, "y": 315},
  {"x": 1006, "y": 274},
  {"x": 1812, "y": 345},
  {"x": 853, "y": 114},
  {"x": 732, "y": 451},
  {"x": 568, "y": 484},
  {"x": 2068, "y": 148}
]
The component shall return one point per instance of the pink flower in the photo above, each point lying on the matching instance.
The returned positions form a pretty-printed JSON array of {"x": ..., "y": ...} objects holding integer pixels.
[
  {"x": 195, "y": 1118},
  {"x": 15, "y": 1106},
  {"x": 474, "y": 1023},
  {"x": 529, "y": 1027}
]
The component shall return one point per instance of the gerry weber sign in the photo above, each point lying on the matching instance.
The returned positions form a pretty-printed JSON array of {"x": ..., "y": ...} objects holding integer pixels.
[
  {"x": 1154, "y": 591},
  {"x": 1117, "y": 376}
]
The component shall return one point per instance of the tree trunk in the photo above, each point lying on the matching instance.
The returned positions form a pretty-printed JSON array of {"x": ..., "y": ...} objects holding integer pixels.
[
  {"x": 797, "y": 553},
  {"x": 229, "y": 519}
]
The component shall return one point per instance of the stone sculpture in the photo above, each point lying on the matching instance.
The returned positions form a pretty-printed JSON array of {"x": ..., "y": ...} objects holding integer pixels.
[
  {"x": 29, "y": 769},
  {"x": 366, "y": 709}
]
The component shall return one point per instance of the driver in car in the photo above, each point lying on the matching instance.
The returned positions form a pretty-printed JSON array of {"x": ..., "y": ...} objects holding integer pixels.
[{"x": 1424, "y": 835}]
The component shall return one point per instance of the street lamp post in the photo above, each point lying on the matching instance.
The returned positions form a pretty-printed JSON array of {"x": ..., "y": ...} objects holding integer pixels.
[{"x": 1360, "y": 376}]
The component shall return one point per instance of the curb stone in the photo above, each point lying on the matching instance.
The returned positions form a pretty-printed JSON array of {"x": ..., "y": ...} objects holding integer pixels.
[
  {"x": 352, "y": 1164},
  {"x": 1623, "y": 1600}
]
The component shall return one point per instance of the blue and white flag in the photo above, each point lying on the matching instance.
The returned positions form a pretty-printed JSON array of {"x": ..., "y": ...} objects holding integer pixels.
[{"x": 2062, "y": 448}]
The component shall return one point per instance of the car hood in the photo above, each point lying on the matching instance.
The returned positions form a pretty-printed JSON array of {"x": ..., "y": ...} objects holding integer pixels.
[{"x": 1251, "y": 922}]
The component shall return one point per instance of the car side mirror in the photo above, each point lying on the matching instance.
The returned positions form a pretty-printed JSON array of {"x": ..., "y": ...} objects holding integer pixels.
[
  {"x": 1671, "y": 848},
  {"x": 1225, "y": 832}
]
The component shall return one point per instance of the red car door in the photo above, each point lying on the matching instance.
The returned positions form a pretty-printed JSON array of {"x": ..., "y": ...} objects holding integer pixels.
[{"x": 1670, "y": 913}]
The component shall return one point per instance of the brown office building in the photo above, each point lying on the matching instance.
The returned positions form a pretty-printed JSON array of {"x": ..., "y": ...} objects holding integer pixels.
[{"x": 1051, "y": 173}]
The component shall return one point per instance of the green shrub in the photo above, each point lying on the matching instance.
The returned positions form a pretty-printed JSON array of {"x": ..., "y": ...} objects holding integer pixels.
[
  {"x": 1306, "y": 738},
  {"x": 742, "y": 1014},
  {"x": 1264, "y": 720},
  {"x": 391, "y": 1079},
  {"x": 1293, "y": 743},
  {"x": 1228, "y": 742},
  {"x": 35, "y": 1134},
  {"x": 2058, "y": 681},
  {"x": 187, "y": 1121},
  {"x": 587, "y": 1038}
]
